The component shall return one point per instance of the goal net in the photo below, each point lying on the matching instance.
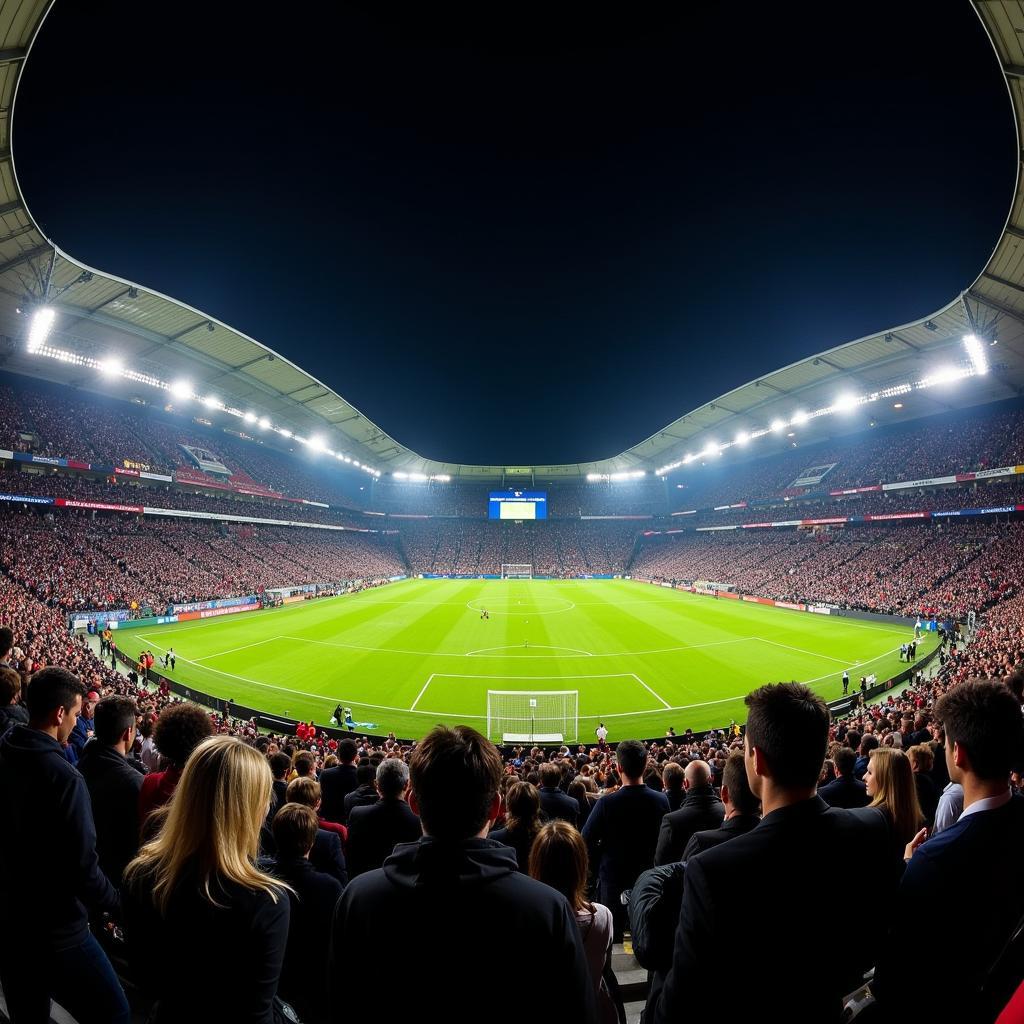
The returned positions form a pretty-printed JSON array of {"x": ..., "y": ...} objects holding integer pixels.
[
  {"x": 516, "y": 572},
  {"x": 538, "y": 716}
]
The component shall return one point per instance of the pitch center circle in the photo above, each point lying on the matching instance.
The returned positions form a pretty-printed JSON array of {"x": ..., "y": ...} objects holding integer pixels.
[{"x": 528, "y": 606}]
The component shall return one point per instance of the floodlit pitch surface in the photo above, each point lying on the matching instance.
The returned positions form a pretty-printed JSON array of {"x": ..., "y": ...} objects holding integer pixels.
[{"x": 411, "y": 654}]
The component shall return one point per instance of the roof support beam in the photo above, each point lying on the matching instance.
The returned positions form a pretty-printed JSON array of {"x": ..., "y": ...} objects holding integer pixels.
[
  {"x": 25, "y": 257},
  {"x": 999, "y": 307},
  {"x": 995, "y": 279},
  {"x": 12, "y": 55},
  {"x": 11, "y": 207}
]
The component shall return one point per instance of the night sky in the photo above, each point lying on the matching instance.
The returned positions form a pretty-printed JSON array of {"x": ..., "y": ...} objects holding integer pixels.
[{"x": 535, "y": 238}]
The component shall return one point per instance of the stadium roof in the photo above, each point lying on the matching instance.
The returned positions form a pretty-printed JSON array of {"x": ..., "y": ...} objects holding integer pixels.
[{"x": 160, "y": 340}]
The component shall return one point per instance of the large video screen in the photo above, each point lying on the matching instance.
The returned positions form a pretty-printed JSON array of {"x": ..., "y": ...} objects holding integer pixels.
[{"x": 517, "y": 505}]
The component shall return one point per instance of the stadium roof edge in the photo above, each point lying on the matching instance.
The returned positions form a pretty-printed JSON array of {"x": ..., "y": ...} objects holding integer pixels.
[{"x": 160, "y": 337}]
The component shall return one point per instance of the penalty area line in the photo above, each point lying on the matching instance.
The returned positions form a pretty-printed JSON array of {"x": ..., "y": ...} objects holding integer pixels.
[{"x": 423, "y": 691}]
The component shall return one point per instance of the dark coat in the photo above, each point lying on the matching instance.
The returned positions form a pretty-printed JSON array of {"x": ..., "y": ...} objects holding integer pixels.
[
  {"x": 519, "y": 841},
  {"x": 845, "y": 792},
  {"x": 327, "y": 855},
  {"x": 12, "y": 715},
  {"x": 244, "y": 938},
  {"x": 700, "y": 810},
  {"x": 927, "y": 796},
  {"x": 738, "y": 825},
  {"x": 362, "y": 796},
  {"x": 306, "y": 960},
  {"x": 675, "y": 798},
  {"x": 559, "y": 807},
  {"x": 335, "y": 784},
  {"x": 758, "y": 876},
  {"x": 50, "y": 877},
  {"x": 465, "y": 893},
  {"x": 374, "y": 831},
  {"x": 114, "y": 790}
]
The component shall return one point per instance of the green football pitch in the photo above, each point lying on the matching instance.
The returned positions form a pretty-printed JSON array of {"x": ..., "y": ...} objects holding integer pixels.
[{"x": 409, "y": 655}]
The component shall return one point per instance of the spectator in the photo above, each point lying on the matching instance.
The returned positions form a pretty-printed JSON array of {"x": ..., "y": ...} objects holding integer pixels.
[
  {"x": 756, "y": 876},
  {"x": 672, "y": 780},
  {"x": 950, "y": 807},
  {"x": 313, "y": 897},
  {"x": 365, "y": 792},
  {"x": 11, "y": 711},
  {"x": 195, "y": 887},
  {"x": 178, "y": 731},
  {"x": 742, "y": 809},
  {"x": 555, "y": 804},
  {"x": 559, "y": 859},
  {"x": 279, "y": 765},
  {"x": 972, "y": 868},
  {"x": 622, "y": 830},
  {"x": 50, "y": 879},
  {"x": 338, "y": 782},
  {"x": 327, "y": 854},
  {"x": 921, "y": 759},
  {"x": 374, "y": 831},
  {"x": 890, "y": 784},
  {"x": 867, "y": 744},
  {"x": 845, "y": 790},
  {"x": 462, "y": 883},
  {"x": 113, "y": 784},
  {"x": 522, "y": 822},
  {"x": 700, "y": 810}
]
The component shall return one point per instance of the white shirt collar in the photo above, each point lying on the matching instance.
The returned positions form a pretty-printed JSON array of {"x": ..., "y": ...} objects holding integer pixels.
[{"x": 988, "y": 804}]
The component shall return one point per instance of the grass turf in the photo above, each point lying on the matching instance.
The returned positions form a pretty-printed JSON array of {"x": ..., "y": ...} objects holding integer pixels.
[{"x": 411, "y": 654}]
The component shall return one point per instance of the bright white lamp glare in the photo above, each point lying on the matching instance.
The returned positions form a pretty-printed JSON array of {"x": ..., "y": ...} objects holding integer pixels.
[
  {"x": 317, "y": 443},
  {"x": 976, "y": 351},
  {"x": 111, "y": 367},
  {"x": 845, "y": 403},
  {"x": 182, "y": 389},
  {"x": 710, "y": 449},
  {"x": 778, "y": 425},
  {"x": 742, "y": 437},
  {"x": 211, "y": 401},
  {"x": 264, "y": 423},
  {"x": 42, "y": 324},
  {"x": 250, "y": 417},
  {"x": 799, "y": 418}
]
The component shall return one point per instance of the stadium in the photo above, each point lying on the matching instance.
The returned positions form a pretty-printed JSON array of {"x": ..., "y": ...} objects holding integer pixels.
[{"x": 190, "y": 520}]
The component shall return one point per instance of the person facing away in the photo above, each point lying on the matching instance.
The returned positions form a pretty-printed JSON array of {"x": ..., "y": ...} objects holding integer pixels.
[
  {"x": 757, "y": 877},
  {"x": 845, "y": 790},
  {"x": 554, "y": 803},
  {"x": 50, "y": 878},
  {"x": 313, "y": 897},
  {"x": 522, "y": 822},
  {"x": 195, "y": 888},
  {"x": 972, "y": 869},
  {"x": 559, "y": 859},
  {"x": 622, "y": 830},
  {"x": 337, "y": 782},
  {"x": 700, "y": 810},
  {"x": 462, "y": 889},
  {"x": 374, "y": 831}
]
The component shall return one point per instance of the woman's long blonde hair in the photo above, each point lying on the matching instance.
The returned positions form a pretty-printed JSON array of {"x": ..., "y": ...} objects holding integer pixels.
[
  {"x": 896, "y": 791},
  {"x": 213, "y": 823}
]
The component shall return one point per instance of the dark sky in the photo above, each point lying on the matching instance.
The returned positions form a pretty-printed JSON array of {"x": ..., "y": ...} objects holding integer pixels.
[{"x": 532, "y": 238}]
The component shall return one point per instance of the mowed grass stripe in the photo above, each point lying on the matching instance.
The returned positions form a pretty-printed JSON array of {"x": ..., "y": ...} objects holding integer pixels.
[{"x": 375, "y": 651}]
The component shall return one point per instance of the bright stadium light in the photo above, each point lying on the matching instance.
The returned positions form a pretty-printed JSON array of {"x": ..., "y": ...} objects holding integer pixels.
[
  {"x": 711, "y": 448},
  {"x": 285, "y": 432},
  {"x": 182, "y": 389},
  {"x": 976, "y": 351},
  {"x": 845, "y": 403},
  {"x": 39, "y": 331},
  {"x": 742, "y": 437},
  {"x": 688, "y": 458},
  {"x": 778, "y": 425},
  {"x": 799, "y": 418},
  {"x": 250, "y": 417},
  {"x": 212, "y": 402},
  {"x": 943, "y": 375},
  {"x": 264, "y": 423},
  {"x": 112, "y": 367},
  {"x": 317, "y": 443}
]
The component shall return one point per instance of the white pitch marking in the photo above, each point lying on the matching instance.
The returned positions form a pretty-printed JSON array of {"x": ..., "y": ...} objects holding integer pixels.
[
  {"x": 800, "y": 650},
  {"x": 231, "y": 650},
  {"x": 537, "y": 647},
  {"x": 649, "y": 690},
  {"x": 423, "y": 691}
]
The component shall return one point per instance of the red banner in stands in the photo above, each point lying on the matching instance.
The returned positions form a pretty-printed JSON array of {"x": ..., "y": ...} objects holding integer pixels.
[
  {"x": 729, "y": 594},
  {"x": 101, "y": 505},
  {"x": 125, "y": 472},
  {"x": 74, "y": 464},
  {"x": 196, "y": 479},
  {"x": 822, "y": 522}
]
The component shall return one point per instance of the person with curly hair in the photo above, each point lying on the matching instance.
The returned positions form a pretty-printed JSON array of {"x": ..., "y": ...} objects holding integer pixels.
[{"x": 178, "y": 731}]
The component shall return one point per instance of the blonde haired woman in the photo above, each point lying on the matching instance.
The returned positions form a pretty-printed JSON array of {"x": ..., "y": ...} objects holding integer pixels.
[
  {"x": 890, "y": 785},
  {"x": 559, "y": 858},
  {"x": 194, "y": 900}
]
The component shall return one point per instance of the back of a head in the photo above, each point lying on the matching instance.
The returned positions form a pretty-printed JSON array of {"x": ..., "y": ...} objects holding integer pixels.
[
  {"x": 113, "y": 715},
  {"x": 303, "y": 790},
  {"x": 347, "y": 751},
  {"x": 454, "y": 776},
  {"x": 304, "y": 762},
  {"x": 6, "y": 641},
  {"x": 789, "y": 724},
  {"x": 224, "y": 781},
  {"x": 921, "y": 757},
  {"x": 179, "y": 730},
  {"x": 734, "y": 779},
  {"x": 294, "y": 827},
  {"x": 10, "y": 686},
  {"x": 672, "y": 777},
  {"x": 51, "y": 688},
  {"x": 280, "y": 763},
  {"x": 983, "y": 718},
  {"x": 558, "y": 858},
  {"x": 392, "y": 777},
  {"x": 845, "y": 761},
  {"x": 632, "y": 758},
  {"x": 868, "y": 743},
  {"x": 698, "y": 773},
  {"x": 550, "y": 776},
  {"x": 365, "y": 774},
  {"x": 522, "y": 803}
]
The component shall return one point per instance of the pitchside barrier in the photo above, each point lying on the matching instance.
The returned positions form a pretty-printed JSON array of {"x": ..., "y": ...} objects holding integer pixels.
[{"x": 277, "y": 723}]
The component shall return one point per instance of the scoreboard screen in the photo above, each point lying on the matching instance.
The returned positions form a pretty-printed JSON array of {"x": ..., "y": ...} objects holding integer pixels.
[{"x": 517, "y": 505}]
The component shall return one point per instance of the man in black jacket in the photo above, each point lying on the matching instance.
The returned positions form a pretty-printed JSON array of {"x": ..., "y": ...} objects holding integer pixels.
[
  {"x": 313, "y": 898},
  {"x": 763, "y": 876},
  {"x": 374, "y": 831},
  {"x": 459, "y": 889},
  {"x": 742, "y": 810},
  {"x": 555, "y": 804},
  {"x": 700, "y": 810},
  {"x": 50, "y": 879},
  {"x": 365, "y": 794},
  {"x": 845, "y": 790},
  {"x": 337, "y": 782},
  {"x": 113, "y": 784}
]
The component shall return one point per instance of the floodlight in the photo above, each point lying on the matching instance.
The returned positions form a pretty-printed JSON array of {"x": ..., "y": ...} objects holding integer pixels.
[
  {"x": 976, "y": 351},
  {"x": 778, "y": 425},
  {"x": 845, "y": 403},
  {"x": 39, "y": 331},
  {"x": 742, "y": 437},
  {"x": 285, "y": 432},
  {"x": 943, "y": 375},
  {"x": 799, "y": 418},
  {"x": 711, "y": 448},
  {"x": 250, "y": 417},
  {"x": 264, "y": 423},
  {"x": 211, "y": 402},
  {"x": 111, "y": 367},
  {"x": 182, "y": 389},
  {"x": 688, "y": 458},
  {"x": 317, "y": 443}
]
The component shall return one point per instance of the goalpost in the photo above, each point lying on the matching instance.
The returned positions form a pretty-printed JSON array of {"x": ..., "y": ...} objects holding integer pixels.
[
  {"x": 516, "y": 571},
  {"x": 532, "y": 716}
]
